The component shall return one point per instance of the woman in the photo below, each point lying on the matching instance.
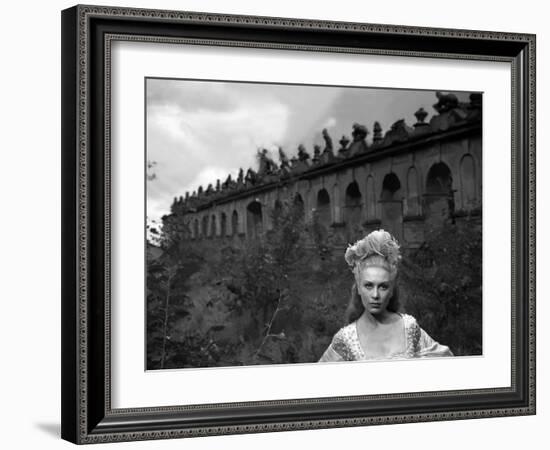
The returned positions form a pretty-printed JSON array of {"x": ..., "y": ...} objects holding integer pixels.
[{"x": 375, "y": 329}]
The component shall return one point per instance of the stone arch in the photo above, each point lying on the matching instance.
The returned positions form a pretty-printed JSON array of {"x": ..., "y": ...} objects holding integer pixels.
[
  {"x": 254, "y": 219},
  {"x": 213, "y": 226},
  {"x": 439, "y": 203},
  {"x": 223, "y": 225},
  {"x": 413, "y": 195},
  {"x": 352, "y": 210},
  {"x": 391, "y": 187},
  {"x": 322, "y": 216},
  {"x": 391, "y": 202},
  {"x": 371, "y": 198},
  {"x": 323, "y": 208},
  {"x": 298, "y": 203},
  {"x": 468, "y": 182},
  {"x": 234, "y": 223}
]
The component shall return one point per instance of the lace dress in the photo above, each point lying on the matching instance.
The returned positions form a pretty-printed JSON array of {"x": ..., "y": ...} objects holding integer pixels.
[{"x": 345, "y": 345}]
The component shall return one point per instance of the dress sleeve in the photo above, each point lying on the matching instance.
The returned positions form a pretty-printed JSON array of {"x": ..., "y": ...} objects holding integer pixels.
[
  {"x": 336, "y": 351},
  {"x": 428, "y": 347}
]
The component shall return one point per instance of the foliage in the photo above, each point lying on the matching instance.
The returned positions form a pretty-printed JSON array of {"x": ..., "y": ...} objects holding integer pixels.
[
  {"x": 280, "y": 298},
  {"x": 442, "y": 282},
  {"x": 262, "y": 269},
  {"x": 167, "y": 270}
]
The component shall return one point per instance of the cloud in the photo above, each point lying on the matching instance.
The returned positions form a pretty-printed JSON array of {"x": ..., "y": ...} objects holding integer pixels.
[
  {"x": 329, "y": 123},
  {"x": 206, "y": 175},
  {"x": 189, "y": 95},
  {"x": 195, "y": 146}
]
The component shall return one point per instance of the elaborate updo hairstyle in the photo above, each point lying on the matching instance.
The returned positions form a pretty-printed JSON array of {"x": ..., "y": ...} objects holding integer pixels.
[{"x": 378, "y": 249}]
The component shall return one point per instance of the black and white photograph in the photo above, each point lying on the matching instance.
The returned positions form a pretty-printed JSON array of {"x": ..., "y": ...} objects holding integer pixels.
[
  {"x": 294, "y": 223},
  {"x": 275, "y": 225}
]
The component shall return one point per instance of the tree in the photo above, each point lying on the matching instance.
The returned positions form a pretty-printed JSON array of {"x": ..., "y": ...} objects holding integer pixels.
[{"x": 442, "y": 283}]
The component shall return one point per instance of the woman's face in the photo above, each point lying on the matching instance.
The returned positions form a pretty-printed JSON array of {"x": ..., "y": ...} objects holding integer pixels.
[{"x": 375, "y": 288}]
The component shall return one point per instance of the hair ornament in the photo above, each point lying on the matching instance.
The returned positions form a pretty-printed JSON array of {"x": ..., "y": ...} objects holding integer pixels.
[{"x": 377, "y": 248}]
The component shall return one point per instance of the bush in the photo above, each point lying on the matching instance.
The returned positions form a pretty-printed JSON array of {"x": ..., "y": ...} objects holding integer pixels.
[{"x": 442, "y": 283}]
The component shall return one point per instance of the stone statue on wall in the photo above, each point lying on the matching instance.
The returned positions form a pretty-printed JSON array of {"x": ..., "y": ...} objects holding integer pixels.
[
  {"x": 343, "y": 150},
  {"x": 227, "y": 182},
  {"x": 359, "y": 132},
  {"x": 251, "y": 177},
  {"x": 284, "y": 163},
  {"x": 316, "y": 154},
  {"x": 446, "y": 102},
  {"x": 303, "y": 155},
  {"x": 266, "y": 165},
  {"x": 328, "y": 140},
  {"x": 377, "y": 130}
]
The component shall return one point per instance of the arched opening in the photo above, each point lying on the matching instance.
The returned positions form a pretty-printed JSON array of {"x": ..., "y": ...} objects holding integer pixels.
[
  {"x": 390, "y": 188},
  {"x": 371, "y": 198},
  {"x": 213, "y": 230},
  {"x": 204, "y": 231},
  {"x": 254, "y": 222},
  {"x": 413, "y": 198},
  {"x": 322, "y": 217},
  {"x": 439, "y": 179},
  {"x": 439, "y": 198},
  {"x": 352, "y": 211},
  {"x": 234, "y": 223},
  {"x": 468, "y": 183},
  {"x": 392, "y": 205},
  {"x": 299, "y": 204},
  {"x": 223, "y": 225},
  {"x": 323, "y": 208}
]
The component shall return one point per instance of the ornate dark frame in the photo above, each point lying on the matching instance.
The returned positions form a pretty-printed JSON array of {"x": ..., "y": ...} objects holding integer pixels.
[{"x": 87, "y": 31}]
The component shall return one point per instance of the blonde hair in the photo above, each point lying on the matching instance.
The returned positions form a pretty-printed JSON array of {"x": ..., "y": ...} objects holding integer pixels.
[{"x": 379, "y": 249}]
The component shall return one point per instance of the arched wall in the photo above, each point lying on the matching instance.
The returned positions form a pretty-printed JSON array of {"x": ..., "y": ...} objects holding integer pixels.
[{"x": 411, "y": 169}]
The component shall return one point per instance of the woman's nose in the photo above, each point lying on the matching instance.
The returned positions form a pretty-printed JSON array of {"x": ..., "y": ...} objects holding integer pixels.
[{"x": 375, "y": 293}]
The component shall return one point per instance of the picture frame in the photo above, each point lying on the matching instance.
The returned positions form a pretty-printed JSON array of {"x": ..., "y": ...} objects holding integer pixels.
[{"x": 88, "y": 415}]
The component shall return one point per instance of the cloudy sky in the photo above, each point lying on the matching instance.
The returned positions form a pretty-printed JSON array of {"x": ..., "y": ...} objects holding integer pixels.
[{"x": 199, "y": 131}]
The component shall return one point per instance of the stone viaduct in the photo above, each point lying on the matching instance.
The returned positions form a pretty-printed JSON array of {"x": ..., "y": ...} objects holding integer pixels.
[{"x": 408, "y": 181}]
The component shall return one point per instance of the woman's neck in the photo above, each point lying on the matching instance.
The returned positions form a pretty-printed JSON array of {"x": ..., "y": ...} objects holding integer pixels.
[{"x": 383, "y": 318}]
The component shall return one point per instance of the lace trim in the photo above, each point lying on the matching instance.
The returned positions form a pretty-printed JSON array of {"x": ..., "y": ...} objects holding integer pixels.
[
  {"x": 346, "y": 344},
  {"x": 346, "y": 341}
]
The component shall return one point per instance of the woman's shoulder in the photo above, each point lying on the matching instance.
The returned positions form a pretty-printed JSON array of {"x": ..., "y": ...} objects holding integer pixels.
[
  {"x": 413, "y": 332},
  {"x": 344, "y": 341},
  {"x": 408, "y": 320},
  {"x": 345, "y": 333}
]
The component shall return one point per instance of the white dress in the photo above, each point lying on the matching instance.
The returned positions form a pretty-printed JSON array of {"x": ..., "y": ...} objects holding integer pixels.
[{"x": 345, "y": 345}]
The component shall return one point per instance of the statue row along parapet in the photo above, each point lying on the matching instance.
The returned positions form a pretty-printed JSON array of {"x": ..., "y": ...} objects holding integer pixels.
[{"x": 450, "y": 113}]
